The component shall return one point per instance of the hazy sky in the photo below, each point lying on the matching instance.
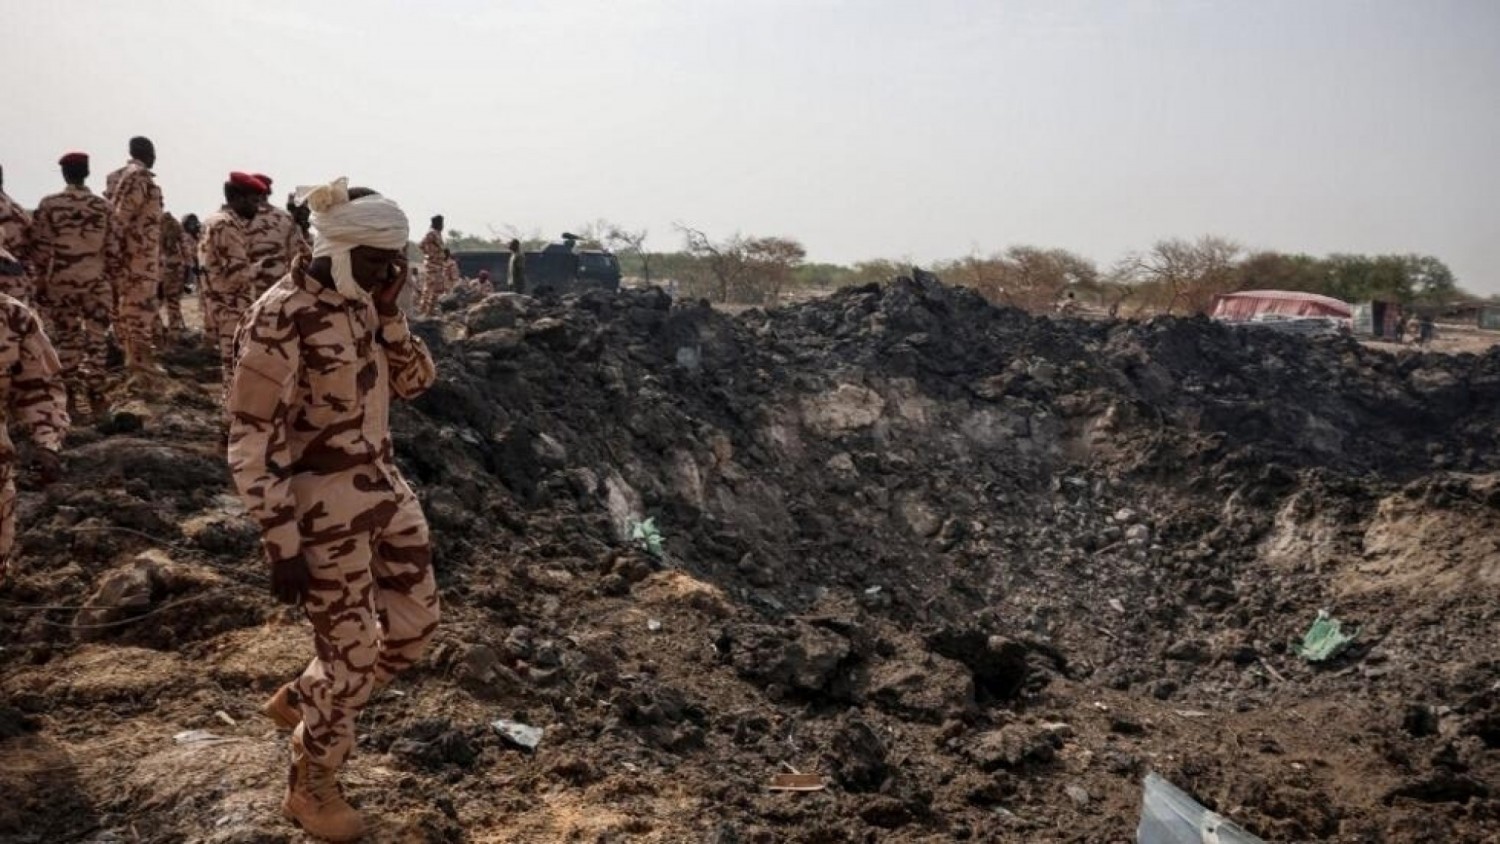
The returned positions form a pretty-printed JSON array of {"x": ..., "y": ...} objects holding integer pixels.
[{"x": 867, "y": 129}]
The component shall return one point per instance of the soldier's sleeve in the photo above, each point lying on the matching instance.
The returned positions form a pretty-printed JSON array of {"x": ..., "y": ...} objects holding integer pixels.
[
  {"x": 261, "y": 393},
  {"x": 43, "y": 235},
  {"x": 38, "y": 398},
  {"x": 129, "y": 195},
  {"x": 412, "y": 369}
]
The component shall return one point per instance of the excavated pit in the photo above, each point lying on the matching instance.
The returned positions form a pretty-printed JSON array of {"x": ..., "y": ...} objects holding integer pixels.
[{"x": 980, "y": 570}]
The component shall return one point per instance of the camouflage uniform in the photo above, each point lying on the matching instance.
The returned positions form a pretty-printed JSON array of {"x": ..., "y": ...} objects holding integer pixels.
[
  {"x": 136, "y": 200},
  {"x": 432, "y": 270},
  {"x": 228, "y": 280},
  {"x": 33, "y": 395},
  {"x": 15, "y": 227},
  {"x": 310, "y": 450},
  {"x": 75, "y": 243},
  {"x": 176, "y": 257},
  {"x": 274, "y": 235},
  {"x": 439, "y": 284}
]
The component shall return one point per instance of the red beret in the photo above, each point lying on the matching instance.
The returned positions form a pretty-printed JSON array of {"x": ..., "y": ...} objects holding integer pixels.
[
  {"x": 74, "y": 158},
  {"x": 264, "y": 178},
  {"x": 248, "y": 182}
]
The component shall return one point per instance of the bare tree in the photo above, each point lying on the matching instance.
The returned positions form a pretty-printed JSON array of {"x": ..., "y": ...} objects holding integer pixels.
[
  {"x": 755, "y": 269},
  {"x": 1185, "y": 274},
  {"x": 620, "y": 239}
]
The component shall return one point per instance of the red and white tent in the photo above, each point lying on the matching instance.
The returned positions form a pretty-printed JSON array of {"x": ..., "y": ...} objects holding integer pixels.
[{"x": 1248, "y": 304}]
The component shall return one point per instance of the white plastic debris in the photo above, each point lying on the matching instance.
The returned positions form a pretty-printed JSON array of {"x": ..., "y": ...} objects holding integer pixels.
[
  {"x": 522, "y": 735},
  {"x": 1170, "y": 816},
  {"x": 653, "y": 625},
  {"x": 201, "y": 738}
]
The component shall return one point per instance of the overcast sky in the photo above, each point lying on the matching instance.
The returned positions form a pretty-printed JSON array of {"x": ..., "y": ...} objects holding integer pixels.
[{"x": 866, "y": 128}]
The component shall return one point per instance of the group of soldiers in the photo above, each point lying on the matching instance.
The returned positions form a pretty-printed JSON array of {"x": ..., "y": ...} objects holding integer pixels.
[
  {"x": 121, "y": 263},
  {"x": 314, "y": 344}
]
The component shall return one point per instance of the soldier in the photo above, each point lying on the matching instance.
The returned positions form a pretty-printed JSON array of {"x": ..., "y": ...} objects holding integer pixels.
[
  {"x": 517, "y": 266},
  {"x": 224, "y": 255},
  {"x": 439, "y": 284},
  {"x": 275, "y": 241},
  {"x": 317, "y": 360},
  {"x": 76, "y": 245},
  {"x": 31, "y": 393},
  {"x": 194, "y": 236},
  {"x": 175, "y": 260},
  {"x": 136, "y": 200},
  {"x": 15, "y": 226},
  {"x": 432, "y": 265}
]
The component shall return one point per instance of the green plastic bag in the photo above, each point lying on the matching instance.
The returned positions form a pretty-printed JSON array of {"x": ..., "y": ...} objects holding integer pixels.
[
  {"x": 1325, "y": 639},
  {"x": 649, "y": 538}
]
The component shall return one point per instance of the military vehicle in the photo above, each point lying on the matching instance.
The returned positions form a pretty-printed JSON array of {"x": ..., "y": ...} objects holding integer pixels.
[{"x": 561, "y": 267}]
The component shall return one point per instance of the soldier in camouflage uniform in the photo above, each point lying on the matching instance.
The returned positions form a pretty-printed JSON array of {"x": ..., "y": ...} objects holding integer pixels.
[
  {"x": 317, "y": 360},
  {"x": 224, "y": 254},
  {"x": 432, "y": 266},
  {"x": 275, "y": 241},
  {"x": 439, "y": 284},
  {"x": 75, "y": 244},
  {"x": 15, "y": 227},
  {"x": 176, "y": 257},
  {"x": 137, "y": 203},
  {"x": 32, "y": 394}
]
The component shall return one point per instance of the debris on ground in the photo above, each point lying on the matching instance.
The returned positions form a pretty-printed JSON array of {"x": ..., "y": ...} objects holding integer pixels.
[
  {"x": 974, "y": 565},
  {"x": 1325, "y": 639}
]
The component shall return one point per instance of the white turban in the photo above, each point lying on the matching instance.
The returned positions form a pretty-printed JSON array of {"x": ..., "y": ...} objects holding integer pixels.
[{"x": 343, "y": 223}]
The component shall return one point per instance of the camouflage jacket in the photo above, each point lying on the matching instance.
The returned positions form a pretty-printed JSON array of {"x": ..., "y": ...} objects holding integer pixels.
[
  {"x": 451, "y": 274},
  {"x": 224, "y": 253},
  {"x": 136, "y": 199},
  {"x": 310, "y": 396},
  {"x": 73, "y": 237},
  {"x": 432, "y": 248},
  {"x": 172, "y": 237},
  {"x": 30, "y": 380},
  {"x": 15, "y": 225},
  {"x": 275, "y": 235}
]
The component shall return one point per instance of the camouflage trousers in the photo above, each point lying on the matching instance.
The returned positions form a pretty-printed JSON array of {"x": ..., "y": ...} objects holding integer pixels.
[
  {"x": 373, "y": 603},
  {"x": 136, "y": 315},
  {"x": 77, "y": 316},
  {"x": 221, "y": 316},
  {"x": 172, "y": 283},
  {"x": 433, "y": 287}
]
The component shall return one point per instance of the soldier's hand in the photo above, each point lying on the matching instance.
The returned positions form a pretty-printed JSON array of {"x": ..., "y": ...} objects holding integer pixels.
[
  {"x": 290, "y": 580},
  {"x": 387, "y": 295},
  {"x": 48, "y": 466}
]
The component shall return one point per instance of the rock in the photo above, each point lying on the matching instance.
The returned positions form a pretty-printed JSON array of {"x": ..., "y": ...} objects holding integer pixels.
[
  {"x": 1125, "y": 516},
  {"x": 121, "y": 593},
  {"x": 1078, "y": 794},
  {"x": 1013, "y": 747},
  {"x": 1138, "y": 534},
  {"x": 886, "y": 812},
  {"x": 927, "y": 693},
  {"x": 1187, "y": 650},
  {"x": 856, "y": 757},
  {"x": 481, "y": 670},
  {"x": 497, "y": 343},
  {"x": 551, "y": 333},
  {"x": 805, "y": 659},
  {"x": 848, "y": 407},
  {"x": 1126, "y": 726}
]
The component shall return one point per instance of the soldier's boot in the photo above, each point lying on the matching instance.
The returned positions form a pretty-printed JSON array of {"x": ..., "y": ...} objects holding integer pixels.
[
  {"x": 283, "y": 708},
  {"x": 315, "y": 802}
]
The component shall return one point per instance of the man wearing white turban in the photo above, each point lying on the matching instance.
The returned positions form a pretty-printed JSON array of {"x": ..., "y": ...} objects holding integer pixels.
[{"x": 316, "y": 361}]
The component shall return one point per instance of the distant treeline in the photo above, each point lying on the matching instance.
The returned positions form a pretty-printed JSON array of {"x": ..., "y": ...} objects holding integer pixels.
[{"x": 1173, "y": 276}]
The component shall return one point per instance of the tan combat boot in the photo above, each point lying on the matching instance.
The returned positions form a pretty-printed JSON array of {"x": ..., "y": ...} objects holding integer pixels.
[
  {"x": 315, "y": 802},
  {"x": 284, "y": 708}
]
